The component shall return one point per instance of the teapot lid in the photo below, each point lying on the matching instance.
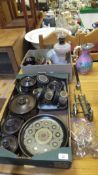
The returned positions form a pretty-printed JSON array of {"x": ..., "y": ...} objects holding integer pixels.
[
  {"x": 22, "y": 104},
  {"x": 27, "y": 81}
]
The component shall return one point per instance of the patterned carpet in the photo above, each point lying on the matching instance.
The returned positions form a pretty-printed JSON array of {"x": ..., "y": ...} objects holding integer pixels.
[{"x": 5, "y": 87}]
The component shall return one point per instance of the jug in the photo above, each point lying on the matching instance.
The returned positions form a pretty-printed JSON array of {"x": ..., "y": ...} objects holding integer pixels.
[
  {"x": 60, "y": 54},
  {"x": 84, "y": 62}
]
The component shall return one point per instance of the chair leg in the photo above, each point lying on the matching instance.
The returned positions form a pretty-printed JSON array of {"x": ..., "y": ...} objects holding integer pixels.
[
  {"x": 33, "y": 11},
  {"x": 25, "y": 15}
]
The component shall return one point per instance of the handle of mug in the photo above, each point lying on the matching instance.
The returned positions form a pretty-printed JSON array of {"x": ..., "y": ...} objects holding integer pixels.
[{"x": 76, "y": 48}]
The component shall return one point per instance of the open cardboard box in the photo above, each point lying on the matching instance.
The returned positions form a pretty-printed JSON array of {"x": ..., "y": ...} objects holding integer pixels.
[
  {"x": 46, "y": 68},
  {"x": 57, "y": 158}
]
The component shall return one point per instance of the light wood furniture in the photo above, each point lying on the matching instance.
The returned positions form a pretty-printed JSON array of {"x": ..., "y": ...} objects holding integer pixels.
[
  {"x": 84, "y": 166},
  {"x": 52, "y": 39},
  {"x": 11, "y": 50},
  {"x": 9, "y": 14}
]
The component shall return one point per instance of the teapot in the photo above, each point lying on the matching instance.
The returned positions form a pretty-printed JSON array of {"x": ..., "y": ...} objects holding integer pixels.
[{"x": 84, "y": 62}]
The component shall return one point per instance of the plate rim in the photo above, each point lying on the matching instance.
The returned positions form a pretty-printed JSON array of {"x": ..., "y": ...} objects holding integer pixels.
[{"x": 27, "y": 35}]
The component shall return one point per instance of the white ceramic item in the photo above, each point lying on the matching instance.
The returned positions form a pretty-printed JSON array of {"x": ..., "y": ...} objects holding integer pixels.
[{"x": 33, "y": 36}]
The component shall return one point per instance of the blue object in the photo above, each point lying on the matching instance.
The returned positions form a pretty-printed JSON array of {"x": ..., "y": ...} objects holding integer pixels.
[
  {"x": 95, "y": 25},
  {"x": 53, "y": 56},
  {"x": 49, "y": 20}
]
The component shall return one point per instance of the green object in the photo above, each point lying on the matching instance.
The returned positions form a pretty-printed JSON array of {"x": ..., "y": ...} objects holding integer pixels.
[
  {"x": 57, "y": 75},
  {"x": 6, "y": 153},
  {"x": 89, "y": 10},
  {"x": 59, "y": 158}
]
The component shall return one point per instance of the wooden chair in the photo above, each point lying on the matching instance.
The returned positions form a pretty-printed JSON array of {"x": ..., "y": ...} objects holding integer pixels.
[
  {"x": 51, "y": 39},
  {"x": 9, "y": 17},
  {"x": 19, "y": 5},
  {"x": 30, "y": 23},
  {"x": 8, "y": 13},
  {"x": 91, "y": 37}
]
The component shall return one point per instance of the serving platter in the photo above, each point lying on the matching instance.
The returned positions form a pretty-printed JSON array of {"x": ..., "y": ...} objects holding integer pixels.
[{"x": 42, "y": 133}]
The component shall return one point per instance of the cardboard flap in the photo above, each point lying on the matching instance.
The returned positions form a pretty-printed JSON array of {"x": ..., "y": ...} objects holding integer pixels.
[
  {"x": 56, "y": 75},
  {"x": 60, "y": 154},
  {"x": 6, "y": 153}
]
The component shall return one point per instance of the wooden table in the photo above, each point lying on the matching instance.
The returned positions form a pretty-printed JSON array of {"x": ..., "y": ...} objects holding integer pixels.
[{"x": 85, "y": 166}]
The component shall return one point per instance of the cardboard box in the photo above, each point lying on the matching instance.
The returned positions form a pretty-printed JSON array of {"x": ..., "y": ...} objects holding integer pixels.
[
  {"x": 57, "y": 158},
  {"x": 46, "y": 68}
]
